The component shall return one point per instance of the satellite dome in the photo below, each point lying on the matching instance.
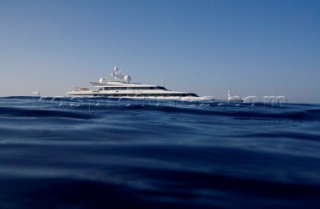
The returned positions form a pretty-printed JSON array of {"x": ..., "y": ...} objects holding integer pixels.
[
  {"x": 102, "y": 80},
  {"x": 127, "y": 78}
]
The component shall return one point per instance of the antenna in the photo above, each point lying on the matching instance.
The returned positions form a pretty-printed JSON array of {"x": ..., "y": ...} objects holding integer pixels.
[{"x": 119, "y": 76}]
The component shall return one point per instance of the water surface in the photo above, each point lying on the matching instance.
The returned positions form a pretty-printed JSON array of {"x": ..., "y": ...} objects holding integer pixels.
[{"x": 142, "y": 154}]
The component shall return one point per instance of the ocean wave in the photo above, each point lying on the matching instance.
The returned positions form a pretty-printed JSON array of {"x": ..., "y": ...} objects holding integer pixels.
[{"x": 112, "y": 154}]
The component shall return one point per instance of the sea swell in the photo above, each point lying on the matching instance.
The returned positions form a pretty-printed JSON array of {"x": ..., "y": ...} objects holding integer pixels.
[{"x": 117, "y": 154}]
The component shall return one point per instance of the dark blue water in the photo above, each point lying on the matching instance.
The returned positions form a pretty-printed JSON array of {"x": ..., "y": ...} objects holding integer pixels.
[{"x": 126, "y": 154}]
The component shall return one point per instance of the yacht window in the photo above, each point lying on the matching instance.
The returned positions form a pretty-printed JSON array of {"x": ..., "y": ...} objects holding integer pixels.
[
  {"x": 160, "y": 87},
  {"x": 116, "y": 88}
]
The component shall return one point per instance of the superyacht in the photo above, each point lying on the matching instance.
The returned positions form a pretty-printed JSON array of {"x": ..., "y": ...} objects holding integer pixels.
[{"x": 120, "y": 86}]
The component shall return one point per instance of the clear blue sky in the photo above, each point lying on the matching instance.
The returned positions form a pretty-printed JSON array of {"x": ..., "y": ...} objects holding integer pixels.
[{"x": 254, "y": 47}]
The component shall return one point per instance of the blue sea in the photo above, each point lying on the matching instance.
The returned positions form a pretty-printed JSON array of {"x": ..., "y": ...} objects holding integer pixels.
[{"x": 104, "y": 153}]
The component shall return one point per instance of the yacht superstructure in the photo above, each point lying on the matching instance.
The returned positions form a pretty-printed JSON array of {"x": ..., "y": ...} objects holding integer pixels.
[{"x": 120, "y": 86}]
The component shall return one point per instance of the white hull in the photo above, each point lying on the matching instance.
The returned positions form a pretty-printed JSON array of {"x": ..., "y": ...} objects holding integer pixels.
[{"x": 95, "y": 94}]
